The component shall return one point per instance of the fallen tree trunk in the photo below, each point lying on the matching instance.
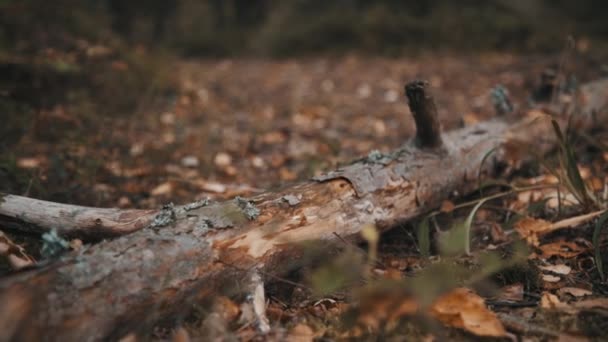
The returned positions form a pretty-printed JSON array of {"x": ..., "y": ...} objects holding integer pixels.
[{"x": 190, "y": 252}]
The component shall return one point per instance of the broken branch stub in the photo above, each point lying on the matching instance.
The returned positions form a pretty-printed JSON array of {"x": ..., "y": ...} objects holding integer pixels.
[{"x": 422, "y": 106}]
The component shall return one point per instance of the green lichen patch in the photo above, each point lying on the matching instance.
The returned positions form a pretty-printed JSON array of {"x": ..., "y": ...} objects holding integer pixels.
[
  {"x": 166, "y": 216},
  {"x": 53, "y": 245},
  {"x": 197, "y": 204},
  {"x": 247, "y": 207},
  {"x": 377, "y": 157}
]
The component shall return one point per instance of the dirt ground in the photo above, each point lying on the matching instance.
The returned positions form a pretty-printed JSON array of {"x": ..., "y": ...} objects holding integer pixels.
[{"x": 237, "y": 126}]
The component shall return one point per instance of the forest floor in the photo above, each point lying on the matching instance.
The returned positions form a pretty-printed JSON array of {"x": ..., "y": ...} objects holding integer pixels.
[{"x": 242, "y": 126}]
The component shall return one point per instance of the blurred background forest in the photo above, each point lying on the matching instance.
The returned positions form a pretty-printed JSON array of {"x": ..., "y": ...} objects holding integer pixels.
[{"x": 280, "y": 28}]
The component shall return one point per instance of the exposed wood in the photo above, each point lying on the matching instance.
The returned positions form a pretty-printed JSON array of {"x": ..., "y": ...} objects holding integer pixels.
[{"x": 115, "y": 287}]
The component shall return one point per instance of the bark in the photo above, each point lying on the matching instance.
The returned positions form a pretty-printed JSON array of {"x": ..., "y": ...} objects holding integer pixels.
[
  {"x": 191, "y": 252},
  {"x": 70, "y": 220}
]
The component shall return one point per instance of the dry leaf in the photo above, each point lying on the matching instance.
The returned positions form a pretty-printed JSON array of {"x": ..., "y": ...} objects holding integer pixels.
[
  {"x": 18, "y": 263},
  {"x": 513, "y": 292},
  {"x": 447, "y": 206},
  {"x": 190, "y": 161},
  {"x": 549, "y": 278},
  {"x": 597, "y": 184},
  {"x": 180, "y": 335},
  {"x": 301, "y": 333},
  {"x": 567, "y": 199},
  {"x": 550, "y": 301},
  {"x": 470, "y": 119},
  {"x": 461, "y": 308},
  {"x": 222, "y": 159},
  {"x": 130, "y": 337},
  {"x": 564, "y": 249},
  {"x": 384, "y": 308},
  {"x": 212, "y": 187},
  {"x": 15, "y": 254},
  {"x": 287, "y": 175},
  {"x": 76, "y": 244},
  {"x": 226, "y": 308},
  {"x": 497, "y": 233},
  {"x": 574, "y": 291},
  {"x": 530, "y": 229},
  {"x": 28, "y": 163},
  {"x": 162, "y": 189},
  {"x": 558, "y": 269},
  {"x": 592, "y": 303}
]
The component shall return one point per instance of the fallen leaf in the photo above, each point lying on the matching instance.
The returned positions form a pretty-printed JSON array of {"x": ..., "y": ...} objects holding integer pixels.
[
  {"x": 549, "y": 278},
  {"x": 162, "y": 189},
  {"x": 530, "y": 229},
  {"x": 550, "y": 301},
  {"x": 124, "y": 202},
  {"x": 301, "y": 333},
  {"x": 180, "y": 335},
  {"x": 76, "y": 244},
  {"x": 222, "y": 159},
  {"x": 190, "y": 161},
  {"x": 564, "y": 249},
  {"x": 497, "y": 233},
  {"x": 574, "y": 291},
  {"x": 258, "y": 162},
  {"x": 226, "y": 308},
  {"x": 120, "y": 66},
  {"x": 592, "y": 303},
  {"x": 514, "y": 292},
  {"x": 384, "y": 308},
  {"x": 447, "y": 206},
  {"x": 567, "y": 199},
  {"x": 28, "y": 163},
  {"x": 18, "y": 263},
  {"x": 230, "y": 170},
  {"x": 462, "y": 308},
  {"x": 167, "y": 118},
  {"x": 136, "y": 149},
  {"x": 597, "y": 184},
  {"x": 287, "y": 175},
  {"x": 15, "y": 254},
  {"x": 558, "y": 269},
  {"x": 212, "y": 186},
  {"x": 470, "y": 119}
]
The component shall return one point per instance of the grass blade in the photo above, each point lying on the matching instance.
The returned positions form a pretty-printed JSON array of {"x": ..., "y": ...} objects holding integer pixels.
[{"x": 596, "y": 244}]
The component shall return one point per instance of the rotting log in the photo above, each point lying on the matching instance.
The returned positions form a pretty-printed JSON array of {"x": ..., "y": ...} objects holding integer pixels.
[{"x": 186, "y": 253}]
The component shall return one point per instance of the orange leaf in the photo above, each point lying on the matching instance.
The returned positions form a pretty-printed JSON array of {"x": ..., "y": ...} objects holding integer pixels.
[
  {"x": 461, "y": 308},
  {"x": 530, "y": 228}
]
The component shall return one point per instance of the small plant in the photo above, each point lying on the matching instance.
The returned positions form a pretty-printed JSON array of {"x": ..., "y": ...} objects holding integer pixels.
[
  {"x": 458, "y": 238},
  {"x": 423, "y": 237},
  {"x": 570, "y": 175}
]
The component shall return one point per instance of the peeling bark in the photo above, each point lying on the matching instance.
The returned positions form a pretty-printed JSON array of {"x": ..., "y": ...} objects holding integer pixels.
[{"x": 115, "y": 287}]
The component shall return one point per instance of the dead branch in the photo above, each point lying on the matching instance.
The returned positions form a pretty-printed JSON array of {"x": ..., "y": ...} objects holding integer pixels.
[
  {"x": 70, "y": 220},
  {"x": 116, "y": 287}
]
